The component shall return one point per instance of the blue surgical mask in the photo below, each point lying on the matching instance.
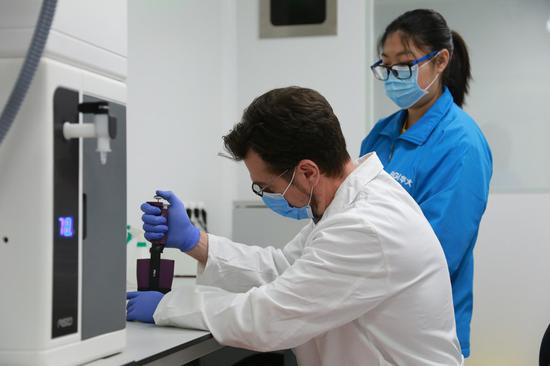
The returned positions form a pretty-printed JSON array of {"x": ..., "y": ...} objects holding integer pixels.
[
  {"x": 278, "y": 203},
  {"x": 405, "y": 93}
]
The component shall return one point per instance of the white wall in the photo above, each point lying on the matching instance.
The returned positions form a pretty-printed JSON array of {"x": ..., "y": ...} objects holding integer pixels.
[
  {"x": 511, "y": 292},
  {"x": 195, "y": 65},
  {"x": 178, "y": 102},
  {"x": 333, "y": 65}
]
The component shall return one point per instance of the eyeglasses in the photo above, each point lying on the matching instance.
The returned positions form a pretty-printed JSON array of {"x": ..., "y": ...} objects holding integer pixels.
[
  {"x": 401, "y": 72},
  {"x": 259, "y": 191}
]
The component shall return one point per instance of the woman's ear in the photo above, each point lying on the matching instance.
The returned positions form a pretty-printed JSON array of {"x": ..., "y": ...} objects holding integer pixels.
[{"x": 442, "y": 60}]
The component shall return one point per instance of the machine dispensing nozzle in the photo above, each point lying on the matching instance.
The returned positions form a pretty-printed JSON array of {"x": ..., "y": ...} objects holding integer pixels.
[{"x": 103, "y": 128}]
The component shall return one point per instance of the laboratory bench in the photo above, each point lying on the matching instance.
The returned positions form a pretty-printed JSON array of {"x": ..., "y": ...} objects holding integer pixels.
[
  {"x": 147, "y": 344},
  {"x": 150, "y": 345}
]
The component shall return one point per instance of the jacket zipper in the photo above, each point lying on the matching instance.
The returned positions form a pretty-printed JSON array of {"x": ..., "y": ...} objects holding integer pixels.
[{"x": 391, "y": 150}]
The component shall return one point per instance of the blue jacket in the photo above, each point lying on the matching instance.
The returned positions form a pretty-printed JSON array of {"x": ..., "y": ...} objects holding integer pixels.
[{"x": 445, "y": 163}]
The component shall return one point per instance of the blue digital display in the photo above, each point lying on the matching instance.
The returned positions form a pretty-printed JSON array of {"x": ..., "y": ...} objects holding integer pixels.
[{"x": 66, "y": 227}]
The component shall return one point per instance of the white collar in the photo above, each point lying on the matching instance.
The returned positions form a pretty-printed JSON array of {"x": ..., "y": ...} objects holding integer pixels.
[{"x": 367, "y": 167}]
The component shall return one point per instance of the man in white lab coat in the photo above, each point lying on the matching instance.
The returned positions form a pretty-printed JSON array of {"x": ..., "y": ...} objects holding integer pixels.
[{"x": 364, "y": 283}]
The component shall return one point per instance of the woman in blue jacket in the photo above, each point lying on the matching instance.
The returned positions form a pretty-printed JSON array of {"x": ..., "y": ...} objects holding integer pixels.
[{"x": 431, "y": 146}]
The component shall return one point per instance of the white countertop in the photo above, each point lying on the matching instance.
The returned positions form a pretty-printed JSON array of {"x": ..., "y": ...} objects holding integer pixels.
[{"x": 148, "y": 344}]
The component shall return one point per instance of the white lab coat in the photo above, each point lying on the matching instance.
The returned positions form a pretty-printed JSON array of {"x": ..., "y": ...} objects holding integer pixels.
[{"x": 367, "y": 285}]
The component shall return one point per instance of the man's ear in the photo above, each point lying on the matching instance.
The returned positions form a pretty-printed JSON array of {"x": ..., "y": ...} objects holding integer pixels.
[{"x": 309, "y": 169}]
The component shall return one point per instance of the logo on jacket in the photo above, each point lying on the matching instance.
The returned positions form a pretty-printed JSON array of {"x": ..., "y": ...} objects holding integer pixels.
[{"x": 401, "y": 179}]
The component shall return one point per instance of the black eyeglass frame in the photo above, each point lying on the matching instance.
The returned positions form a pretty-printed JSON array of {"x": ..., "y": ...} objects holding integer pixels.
[
  {"x": 395, "y": 69},
  {"x": 259, "y": 190}
]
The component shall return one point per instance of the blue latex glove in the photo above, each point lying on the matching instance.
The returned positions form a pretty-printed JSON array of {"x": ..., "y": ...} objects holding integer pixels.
[
  {"x": 181, "y": 233},
  {"x": 142, "y": 305}
]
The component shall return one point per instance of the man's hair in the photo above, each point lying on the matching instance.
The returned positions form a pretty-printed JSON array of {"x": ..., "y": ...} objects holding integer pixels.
[{"x": 287, "y": 125}]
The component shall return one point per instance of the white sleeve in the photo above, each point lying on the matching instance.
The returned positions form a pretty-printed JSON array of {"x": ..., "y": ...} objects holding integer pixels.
[
  {"x": 181, "y": 307},
  {"x": 340, "y": 276},
  {"x": 239, "y": 267}
]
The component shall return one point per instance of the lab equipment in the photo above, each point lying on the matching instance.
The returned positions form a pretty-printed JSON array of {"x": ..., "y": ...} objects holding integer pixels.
[
  {"x": 255, "y": 223},
  {"x": 197, "y": 214},
  {"x": 203, "y": 216},
  {"x": 62, "y": 252},
  {"x": 186, "y": 266},
  {"x": 183, "y": 236},
  {"x": 29, "y": 66},
  {"x": 136, "y": 248},
  {"x": 156, "y": 274},
  {"x": 103, "y": 128}
]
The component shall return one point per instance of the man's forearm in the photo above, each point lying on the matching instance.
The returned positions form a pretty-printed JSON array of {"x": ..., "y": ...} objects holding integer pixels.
[{"x": 200, "y": 251}]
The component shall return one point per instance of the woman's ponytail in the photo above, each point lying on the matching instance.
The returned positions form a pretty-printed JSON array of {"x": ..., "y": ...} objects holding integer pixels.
[{"x": 457, "y": 75}]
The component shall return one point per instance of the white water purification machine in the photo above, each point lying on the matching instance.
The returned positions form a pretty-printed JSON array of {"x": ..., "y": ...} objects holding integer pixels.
[{"x": 62, "y": 181}]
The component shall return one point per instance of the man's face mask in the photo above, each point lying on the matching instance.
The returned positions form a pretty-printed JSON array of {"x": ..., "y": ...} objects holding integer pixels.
[{"x": 278, "y": 203}]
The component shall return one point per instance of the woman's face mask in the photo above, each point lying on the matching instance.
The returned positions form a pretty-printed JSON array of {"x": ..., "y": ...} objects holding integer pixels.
[{"x": 406, "y": 92}]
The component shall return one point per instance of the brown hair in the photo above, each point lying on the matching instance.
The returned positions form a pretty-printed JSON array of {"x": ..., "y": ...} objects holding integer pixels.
[{"x": 287, "y": 125}]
